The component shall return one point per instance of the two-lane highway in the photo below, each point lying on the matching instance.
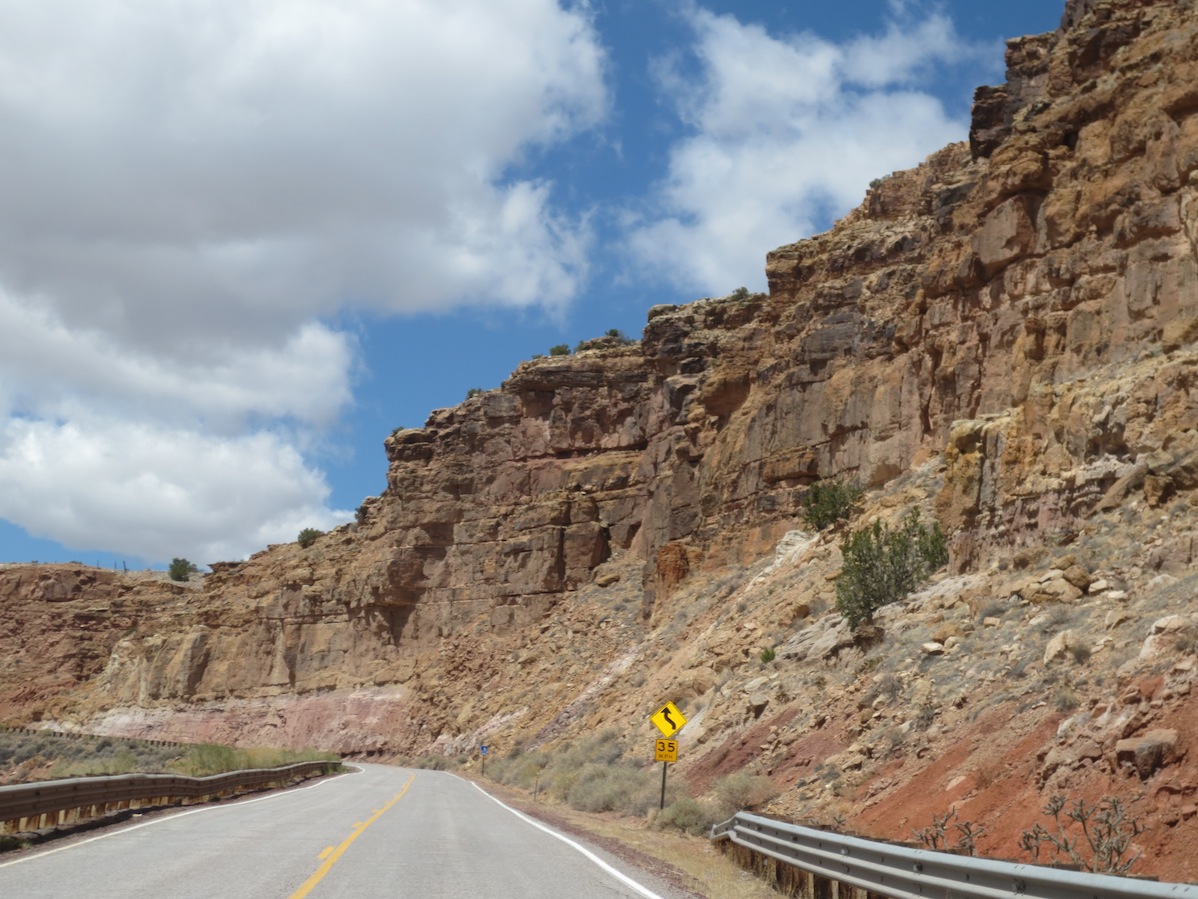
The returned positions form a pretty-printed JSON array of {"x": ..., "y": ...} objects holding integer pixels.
[{"x": 380, "y": 832}]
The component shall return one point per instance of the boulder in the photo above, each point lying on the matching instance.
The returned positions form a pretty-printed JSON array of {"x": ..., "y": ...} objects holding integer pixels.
[
  {"x": 1164, "y": 636},
  {"x": 1147, "y": 753},
  {"x": 1061, "y": 646}
]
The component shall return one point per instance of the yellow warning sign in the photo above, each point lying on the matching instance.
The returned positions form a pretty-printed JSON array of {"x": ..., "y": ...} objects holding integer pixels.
[
  {"x": 668, "y": 719},
  {"x": 667, "y": 751}
]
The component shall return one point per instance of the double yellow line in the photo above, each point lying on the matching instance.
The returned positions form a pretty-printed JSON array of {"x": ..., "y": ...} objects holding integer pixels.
[{"x": 330, "y": 856}]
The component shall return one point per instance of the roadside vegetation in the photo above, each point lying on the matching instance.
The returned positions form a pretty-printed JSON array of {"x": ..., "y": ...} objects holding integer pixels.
[
  {"x": 1095, "y": 838},
  {"x": 883, "y": 564},
  {"x": 26, "y": 757},
  {"x": 601, "y": 774}
]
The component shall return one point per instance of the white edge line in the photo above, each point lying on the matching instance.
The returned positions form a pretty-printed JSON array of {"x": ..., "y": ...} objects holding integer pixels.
[
  {"x": 619, "y": 875},
  {"x": 117, "y": 830}
]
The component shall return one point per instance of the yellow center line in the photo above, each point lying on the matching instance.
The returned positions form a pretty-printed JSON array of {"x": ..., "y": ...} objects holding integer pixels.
[
  {"x": 325, "y": 854},
  {"x": 359, "y": 827}
]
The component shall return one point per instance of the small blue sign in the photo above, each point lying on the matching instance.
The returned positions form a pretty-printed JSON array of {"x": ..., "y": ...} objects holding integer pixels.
[{"x": 483, "y": 749}]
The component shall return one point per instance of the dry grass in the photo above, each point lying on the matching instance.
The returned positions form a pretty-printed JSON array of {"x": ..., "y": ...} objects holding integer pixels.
[
  {"x": 693, "y": 863},
  {"x": 709, "y": 871}
]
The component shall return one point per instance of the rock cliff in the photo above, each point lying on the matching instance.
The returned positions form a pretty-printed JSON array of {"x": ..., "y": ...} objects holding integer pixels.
[{"x": 1004, "y": 336}]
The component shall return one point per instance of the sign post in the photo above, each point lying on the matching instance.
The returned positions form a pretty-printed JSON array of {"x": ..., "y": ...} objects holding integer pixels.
[
  {"x": 667, "y": 752},
  {"x": 669, "y": 720},
  {"x": 665, "y": 766}
]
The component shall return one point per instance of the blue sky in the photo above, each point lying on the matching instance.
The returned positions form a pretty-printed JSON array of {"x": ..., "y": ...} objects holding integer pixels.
[{"x": 241, "y": 241}]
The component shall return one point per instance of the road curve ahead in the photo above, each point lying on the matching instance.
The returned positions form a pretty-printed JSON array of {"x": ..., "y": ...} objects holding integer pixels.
[{"x": 379, "y": 832}]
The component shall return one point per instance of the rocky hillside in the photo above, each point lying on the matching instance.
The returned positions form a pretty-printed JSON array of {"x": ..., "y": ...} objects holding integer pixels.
[{"x": 1003, "y": 337}]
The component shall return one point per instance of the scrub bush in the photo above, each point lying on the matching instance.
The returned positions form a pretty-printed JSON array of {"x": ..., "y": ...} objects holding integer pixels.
[
  {"x": 828, "y": 502},
  {"x": 883, "y": 564}
]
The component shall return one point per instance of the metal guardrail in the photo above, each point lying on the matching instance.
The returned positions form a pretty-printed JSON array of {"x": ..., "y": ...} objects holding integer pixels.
[
  {"x": 53, "y": 802},
  {"x": 71, "y": 735},
  {"x": 905, "y": 873}
]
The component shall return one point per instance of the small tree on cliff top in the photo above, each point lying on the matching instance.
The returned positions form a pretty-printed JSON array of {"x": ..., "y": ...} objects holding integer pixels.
[
  {"x": 181, "y": 570},
  {"x": 308, "y": 536}
]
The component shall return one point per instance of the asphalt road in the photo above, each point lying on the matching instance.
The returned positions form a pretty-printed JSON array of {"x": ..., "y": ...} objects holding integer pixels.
[{"x": 381, "y": 831}]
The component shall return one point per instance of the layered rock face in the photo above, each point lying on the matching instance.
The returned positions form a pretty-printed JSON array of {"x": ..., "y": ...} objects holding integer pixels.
[
  {"x": 1028, "y": 310},
  {"x": 500, "y": 506},
  {"x": 1005, "y": 333},
  {"x": 1023, "y": 309}
]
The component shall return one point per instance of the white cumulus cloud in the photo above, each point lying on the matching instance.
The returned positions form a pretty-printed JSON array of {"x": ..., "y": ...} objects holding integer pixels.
[
  {"x": 192, "y": 191},
  {"x": 158, "y": 492},
  {"x": 173, "y": 167},
  {"x": 783, "y": 131}
]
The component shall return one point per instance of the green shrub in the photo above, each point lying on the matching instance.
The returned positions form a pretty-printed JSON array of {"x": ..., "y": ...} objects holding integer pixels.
[
  {"x": 828, "y": 502},
  {"x": 561, "y": 349},
  {"x": 473, "y": 392},
  {"x": 883, "y": 564},
  {"x": 122, "y": 762},
  {"x": 181, "y": 570},
  {"x": 308, "y": 536},
  {"x": 209, "y": 758},
  {"x": 768, "y": 655}
]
